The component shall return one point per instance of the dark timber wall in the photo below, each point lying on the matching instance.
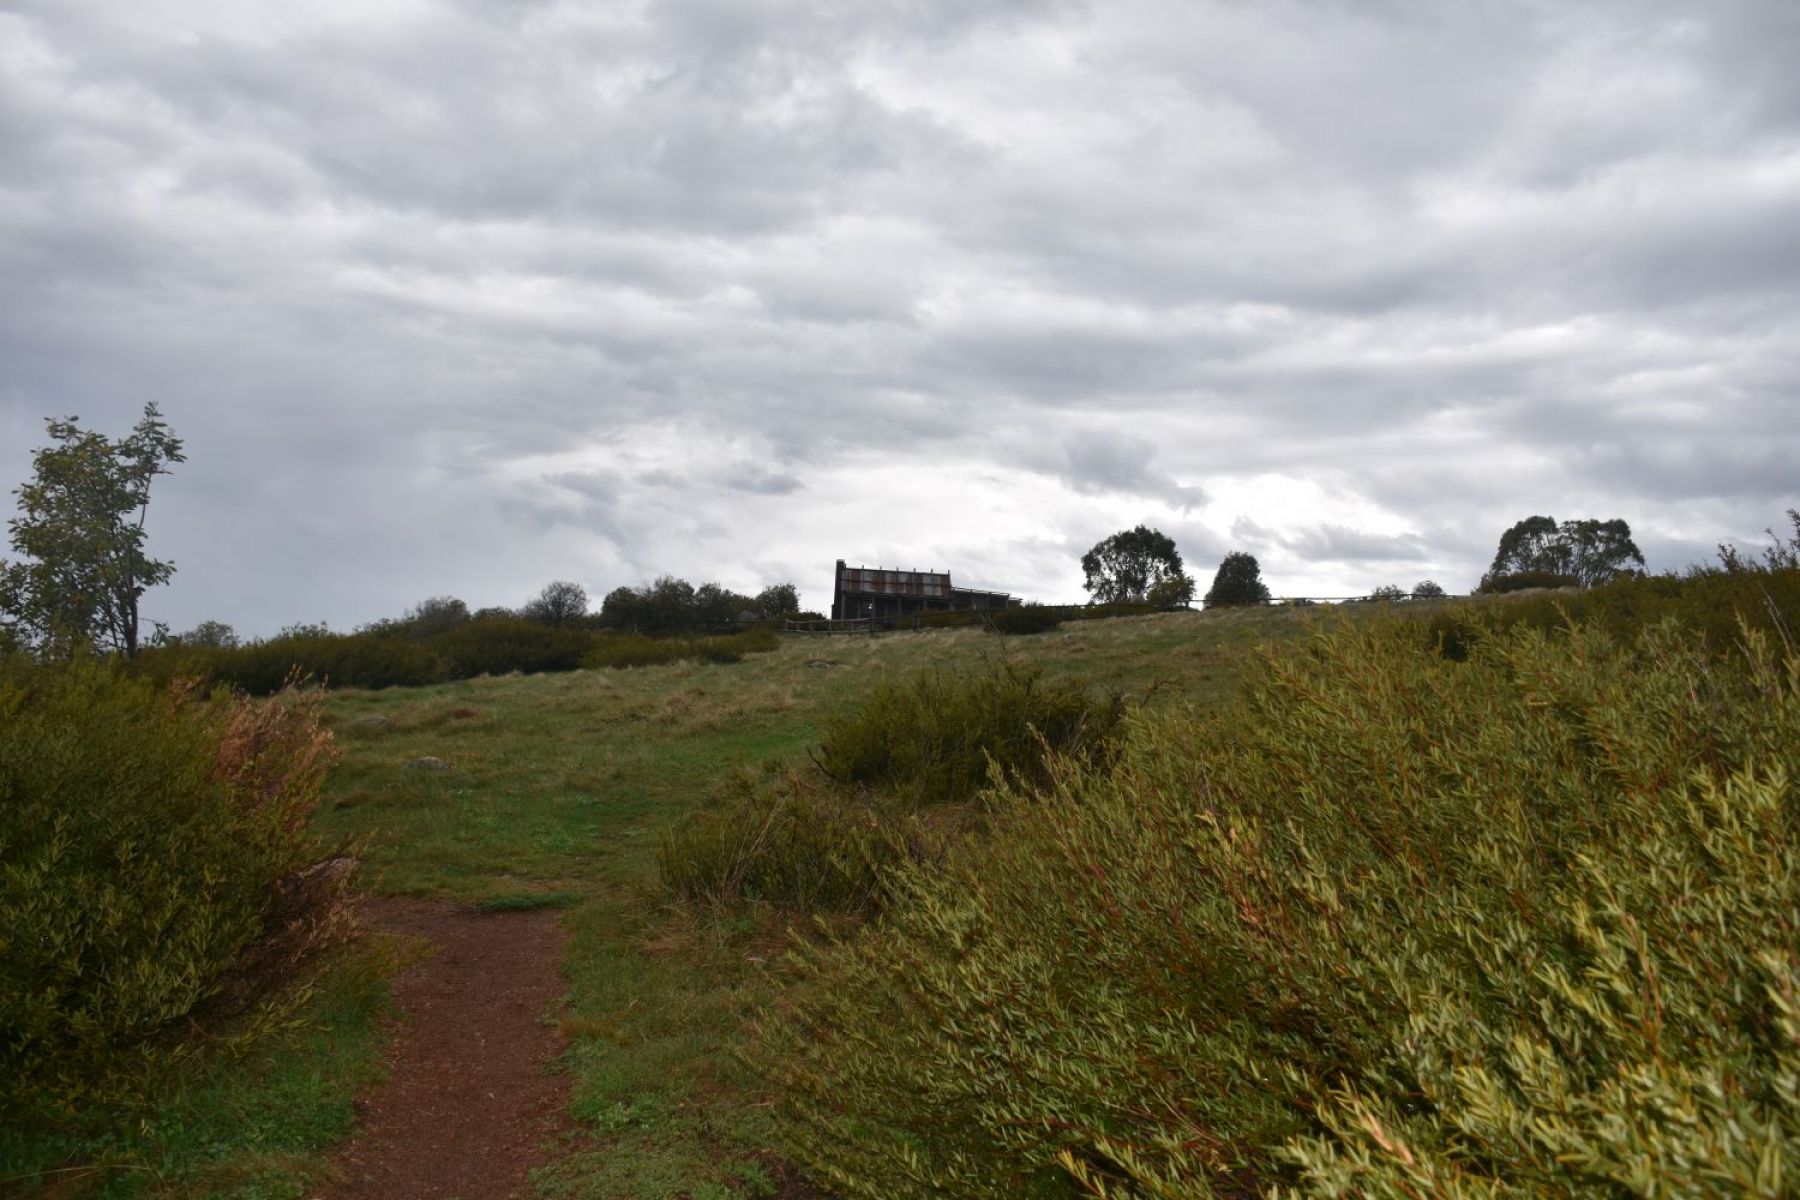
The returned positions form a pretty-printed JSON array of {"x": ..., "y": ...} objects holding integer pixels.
[{"x": 888, "y": 595}]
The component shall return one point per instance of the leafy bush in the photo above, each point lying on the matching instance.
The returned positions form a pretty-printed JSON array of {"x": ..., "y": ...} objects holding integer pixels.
[
  {"x": 336, "y": 660},
  {"x": 501, "y": 645},
  {"x": 932, "y": 738},
  {"x": 787, "y": 839},
  {"x": 1783, "y": 554},
  {"x": 621, "y": 650},
  {"x": 900, "y": 772},
  {"x": 631, "y": 650},
  {"x": 1394, "y": 925},
  {"x": 1716, "y": 605},
  {"x": 144, "y": 837},
  {"x": 1020, "y": 620},
  {"x": 405, "y": 654},
  {"x": 433, "y": 615},
  {"x": 1518, "y": 581}
]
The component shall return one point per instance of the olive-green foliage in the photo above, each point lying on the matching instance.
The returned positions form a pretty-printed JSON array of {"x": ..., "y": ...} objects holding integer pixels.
[
  {"x": 932, "y": 738},
  {"x": 1714, "y": 604},
  {"x": 142, "y": 833},
  {"x": 80, "y": 532},
  {"x": 335, "y": 660},
  {"x": 1520, "y": 581},
  {"x": 501, "y": 645},
  {"x": 792, "y": 840},
  {"x": 636, "y": 650},
  {"x": 830, "y": 840},
  {"x": 1020, "y": 620},
  {"x": 965, "y": 618},
  {"x": 1238, "y": 581},
  {"x": 394, "y": 655},
  {"x": 1393, "y": 925}
]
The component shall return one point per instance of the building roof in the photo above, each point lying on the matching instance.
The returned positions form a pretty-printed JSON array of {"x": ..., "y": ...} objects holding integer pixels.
[{"x": 884, "y": 581}]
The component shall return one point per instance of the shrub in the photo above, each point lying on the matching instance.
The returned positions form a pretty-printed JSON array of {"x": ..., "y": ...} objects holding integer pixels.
[
  {"x": 1783, "y": 553},
  {"x": 1393, "y": 925},
  {"x": 144, "y": 836},
  {"x": 800, "y": 841},
  {"x": 336, "y": 660},
  {"x": 932, "y": 738},
  {"x": 1715, "y": 605},
  {"x": 619, "y": 650},
  {"x": 1021, "y": 620},
  {"x": 786, "y": 839},
  {"x": 1518, "y": 581},
  {"x": 500, "y": 645}
]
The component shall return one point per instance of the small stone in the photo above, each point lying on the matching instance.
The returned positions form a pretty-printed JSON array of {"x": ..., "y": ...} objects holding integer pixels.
[
  {"x": 373, "y": 723},
  {"x": 820, "y": 664},
  {"x": 428, "y": 762}
]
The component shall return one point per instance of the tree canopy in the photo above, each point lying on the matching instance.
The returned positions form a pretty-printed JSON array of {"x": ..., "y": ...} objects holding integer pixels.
[
  {"x": 560, "y": 603},
  {"x": 1238, "y": 581},
  {"x": 80, "y": 530},
  {"x": 1134, "y": 563},
  {"x": 671, "y": 605},
  {"x": 1585, "y": 552}
]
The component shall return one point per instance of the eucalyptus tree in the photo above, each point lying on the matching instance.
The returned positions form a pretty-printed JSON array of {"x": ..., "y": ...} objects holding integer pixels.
[{"x": 80, "y": 534}]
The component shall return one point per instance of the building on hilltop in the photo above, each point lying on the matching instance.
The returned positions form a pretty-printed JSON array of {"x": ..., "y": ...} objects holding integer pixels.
[{"x": 886, "y": 595}]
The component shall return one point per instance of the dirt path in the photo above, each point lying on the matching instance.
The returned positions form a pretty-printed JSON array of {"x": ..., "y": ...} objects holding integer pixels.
[{"x": 468, "y": 1105}]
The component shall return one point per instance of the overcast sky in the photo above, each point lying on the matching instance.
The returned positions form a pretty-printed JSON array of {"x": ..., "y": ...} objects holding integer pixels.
[{"x": 463, "y": 296}]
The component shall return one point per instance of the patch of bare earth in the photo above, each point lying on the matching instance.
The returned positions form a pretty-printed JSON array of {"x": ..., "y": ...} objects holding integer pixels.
[{"x": 469, "y": 1106}]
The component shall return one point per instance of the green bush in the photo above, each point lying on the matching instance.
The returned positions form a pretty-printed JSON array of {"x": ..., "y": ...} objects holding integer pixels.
[
  {"x": 1715, "y": 605},
  {"x": 398, "y": 656},
  {"x": 143, "y": 834},
  {"x": 932, "y": 738},
  {"x": 621, "y": 650},
  {"x": 1519, "y": 581},
  {"x": 831, "y": 840},
  {"x": 502, "y": 645},
  {"x": 786, "y": 839},
  {"x": 1393, "y": 925},
  {"x": 1021, "y": 620},
  {"x": 335, "y": 660}
]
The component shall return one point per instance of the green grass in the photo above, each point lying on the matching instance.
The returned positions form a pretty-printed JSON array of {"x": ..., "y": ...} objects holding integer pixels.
[
  {"x": 255, "y": 1128},
  {"x": 561, "y": 782},
  {"x": 558, "y": 789}
]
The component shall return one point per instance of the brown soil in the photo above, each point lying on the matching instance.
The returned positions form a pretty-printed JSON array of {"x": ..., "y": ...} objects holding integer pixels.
[{"x": 469, "y": 1105}]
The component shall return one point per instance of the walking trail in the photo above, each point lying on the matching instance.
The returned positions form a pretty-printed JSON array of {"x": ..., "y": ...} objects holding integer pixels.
[{"x": 469, "y": 1106}]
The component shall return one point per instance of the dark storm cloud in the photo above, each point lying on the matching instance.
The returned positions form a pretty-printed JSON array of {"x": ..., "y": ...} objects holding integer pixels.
[{"x": 461, "y": 296}]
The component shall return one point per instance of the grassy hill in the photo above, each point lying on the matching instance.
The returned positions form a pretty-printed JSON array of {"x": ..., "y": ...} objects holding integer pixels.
[{"x": 560, "y": 789}]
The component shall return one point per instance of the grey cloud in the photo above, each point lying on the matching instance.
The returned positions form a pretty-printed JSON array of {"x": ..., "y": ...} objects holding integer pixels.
[
  {"x": 1702, "y": 468},
  {"x": 1340, "y": 544},
  {"x": 600, "y": 486},
  {"x": 1097, "y": 461},
  {"x": 1454, "y": 263},
  {"x": 754, "y": 477}
]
